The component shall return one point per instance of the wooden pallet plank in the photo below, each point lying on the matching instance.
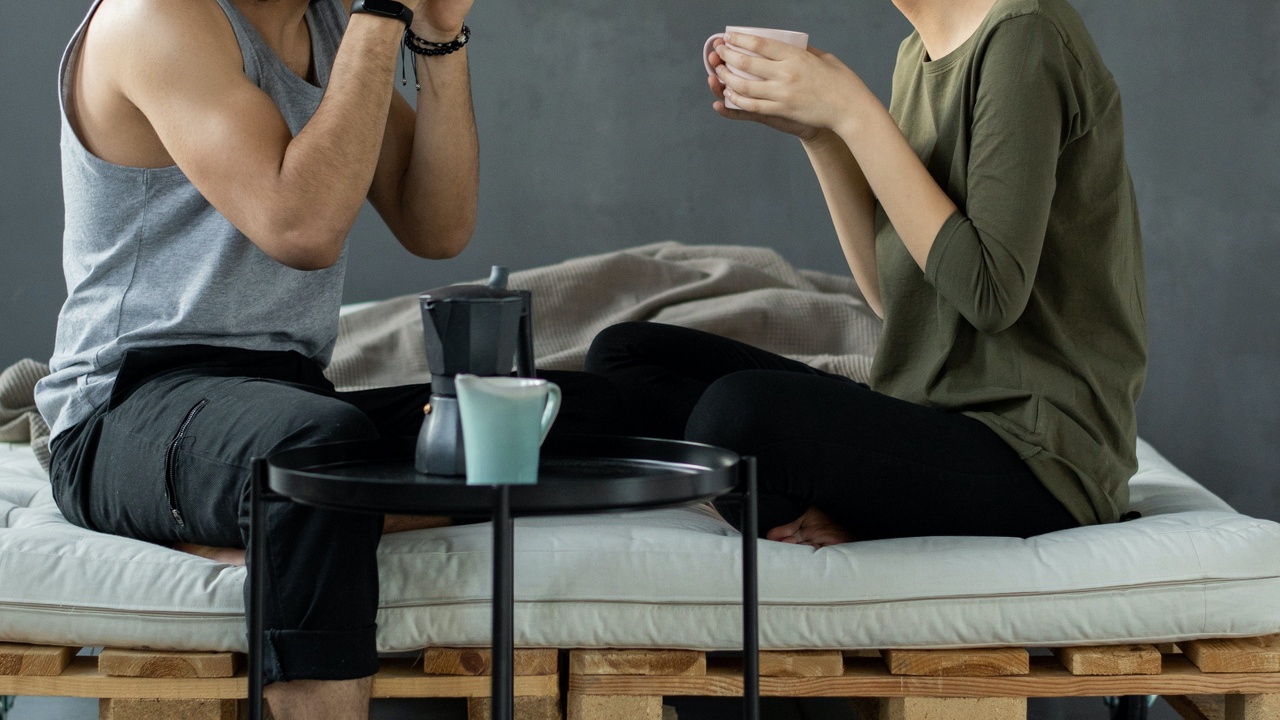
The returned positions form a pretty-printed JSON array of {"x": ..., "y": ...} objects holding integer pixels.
[
  {"x": 918, "y": 708},
  {"x": 637, "y": 662},
  {"x": 1110, "y": 660},
  {"x": 990, "y": 662},
  {"x": 34, "y": 660},
  {"x": 801, "y": 663},
  {"x": 152, "y": 709},
  {"x": 1235, "y": 655},
  {"x": 1198, "y": 707},
  {"x": 405, "y": 679},
  {"x": 611, "y": 707},
  {"x": 396, "y": 678},
  {"x": 1253, "y": 707},
  {"x": 870, "y": 678},
  {"x": 154, "y": 664},
  {"x": 525, "y": 708},
  {"x": 479, "y": 661}
]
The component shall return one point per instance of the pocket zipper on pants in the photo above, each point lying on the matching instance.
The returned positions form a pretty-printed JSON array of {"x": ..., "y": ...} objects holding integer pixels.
[{"x": 171, "y": 462}]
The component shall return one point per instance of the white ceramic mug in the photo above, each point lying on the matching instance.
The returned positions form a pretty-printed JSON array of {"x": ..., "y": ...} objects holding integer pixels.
[
  {"x": 790, "y": 37},
  {"x": 504, "y": 421}
]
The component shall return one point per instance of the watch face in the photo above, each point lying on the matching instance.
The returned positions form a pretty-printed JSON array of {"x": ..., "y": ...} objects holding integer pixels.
[{"x": 389, "y": 8}]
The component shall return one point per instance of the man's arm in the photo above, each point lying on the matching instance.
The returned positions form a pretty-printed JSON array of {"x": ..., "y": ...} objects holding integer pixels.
[
  {"x": 428, "y": 177},
  {"x": 294, "y": 197}
]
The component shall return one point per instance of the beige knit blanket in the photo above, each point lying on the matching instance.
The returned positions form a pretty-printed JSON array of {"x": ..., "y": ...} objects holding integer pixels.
[
  {"x": 19, "y": 421},
  {"x": 746, "y": 293}
]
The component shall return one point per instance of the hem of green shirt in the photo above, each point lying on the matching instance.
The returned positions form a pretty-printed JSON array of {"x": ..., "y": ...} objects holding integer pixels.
[{"x": 941, "y": 242}]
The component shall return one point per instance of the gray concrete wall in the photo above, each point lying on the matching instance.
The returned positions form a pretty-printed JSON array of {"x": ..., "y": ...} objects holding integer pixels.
[{"x": 597, "y": 134}]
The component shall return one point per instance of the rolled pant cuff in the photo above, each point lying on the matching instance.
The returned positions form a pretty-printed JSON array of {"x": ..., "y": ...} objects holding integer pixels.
[{"x": 320, "y": 654}]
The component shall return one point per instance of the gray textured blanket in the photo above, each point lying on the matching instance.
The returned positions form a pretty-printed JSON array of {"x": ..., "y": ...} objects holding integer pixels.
[{"x": 749, "y": 294}]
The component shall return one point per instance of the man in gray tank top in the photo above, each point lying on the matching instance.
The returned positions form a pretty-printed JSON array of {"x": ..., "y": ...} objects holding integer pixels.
[{"x": 215, "y": 154}]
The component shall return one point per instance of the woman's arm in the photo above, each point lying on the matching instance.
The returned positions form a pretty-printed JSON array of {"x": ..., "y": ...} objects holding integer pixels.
[
  {"x": 813, "y": 87},
  {"x": 849, "y": 198},
  {"x": 852, "y": 207},
  {"x": 982, "y": 260}
]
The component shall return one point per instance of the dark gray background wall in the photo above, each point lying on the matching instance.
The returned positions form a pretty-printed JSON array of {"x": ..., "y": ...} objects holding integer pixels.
[{"x": 597, "y": 134}]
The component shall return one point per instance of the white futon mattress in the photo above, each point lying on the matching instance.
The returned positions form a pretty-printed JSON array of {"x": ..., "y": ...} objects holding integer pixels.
[{"x": 1191, "y": 567}]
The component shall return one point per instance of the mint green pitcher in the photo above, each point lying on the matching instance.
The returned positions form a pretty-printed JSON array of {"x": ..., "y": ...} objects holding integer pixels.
[{"x": 504, "y": 421}]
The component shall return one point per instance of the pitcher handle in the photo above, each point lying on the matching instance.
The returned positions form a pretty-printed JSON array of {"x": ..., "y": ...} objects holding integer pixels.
[{"x": 551, "y": 410}]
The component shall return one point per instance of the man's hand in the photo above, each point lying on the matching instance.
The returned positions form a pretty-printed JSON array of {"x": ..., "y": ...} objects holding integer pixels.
[
  {"x": 440, "y": 20},
  {"x": 428, "y": 180}
]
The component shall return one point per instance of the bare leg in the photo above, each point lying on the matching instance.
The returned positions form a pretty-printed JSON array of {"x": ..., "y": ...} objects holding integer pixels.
[
  {"x": 392, "y": 524},
  {"x": 400, "y": 523},
  {"x": 316, "y": 699},
  {"x": 224, "y": 555},
  {"x": 814, "y": 528}
]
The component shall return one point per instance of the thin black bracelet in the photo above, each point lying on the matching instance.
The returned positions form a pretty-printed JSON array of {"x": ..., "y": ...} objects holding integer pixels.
[{"x": 420, "y": 46}]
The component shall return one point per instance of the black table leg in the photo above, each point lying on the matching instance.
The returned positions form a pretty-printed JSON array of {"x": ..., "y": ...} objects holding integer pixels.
[
  {"x": 257, "y": 571},
  {"x": 502, "y": 693},
  {"x": 750, "y": 594}
]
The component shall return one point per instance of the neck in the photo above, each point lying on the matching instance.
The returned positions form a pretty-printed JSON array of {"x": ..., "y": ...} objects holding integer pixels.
[{"x": 944, "y": 25}]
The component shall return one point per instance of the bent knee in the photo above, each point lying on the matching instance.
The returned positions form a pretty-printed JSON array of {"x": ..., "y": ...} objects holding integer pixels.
[
  {"x": 735, "y": 412},
  {"x": 616, "y": 343},
  {"x": 328, "y": 422}
]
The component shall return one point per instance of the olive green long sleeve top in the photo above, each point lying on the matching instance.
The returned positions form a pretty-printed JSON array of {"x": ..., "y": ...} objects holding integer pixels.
[{"x": 1030, "y": 313}]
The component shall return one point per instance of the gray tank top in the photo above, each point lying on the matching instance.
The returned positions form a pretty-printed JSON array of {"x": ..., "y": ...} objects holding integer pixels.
[{"x": 150, "y": 263}]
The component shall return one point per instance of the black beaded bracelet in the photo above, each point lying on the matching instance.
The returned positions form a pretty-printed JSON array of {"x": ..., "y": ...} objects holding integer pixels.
[{"x": 427, "y": 48}]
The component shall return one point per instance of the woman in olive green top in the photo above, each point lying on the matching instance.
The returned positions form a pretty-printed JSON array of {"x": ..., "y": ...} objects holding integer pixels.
[{"x": 989, "y": 218}]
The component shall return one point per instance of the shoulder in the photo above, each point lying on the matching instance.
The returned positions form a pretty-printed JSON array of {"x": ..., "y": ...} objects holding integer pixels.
[
  {"x": 153, "y": 37},
  {"x": 1041, "y": 49},
  {"x": 1025, "y": 20},
  {"x": 1049, "y": 30}
]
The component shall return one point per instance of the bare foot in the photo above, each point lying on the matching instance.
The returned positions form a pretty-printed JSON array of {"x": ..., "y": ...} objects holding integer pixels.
[
  {"x": 814, "y": 528},
  {"x": 226, "y": 556}
]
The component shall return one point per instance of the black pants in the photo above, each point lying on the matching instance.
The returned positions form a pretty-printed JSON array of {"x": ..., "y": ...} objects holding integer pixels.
[
  {"x": 880, "y": 466},
  {"x": 168, "y": 460}
]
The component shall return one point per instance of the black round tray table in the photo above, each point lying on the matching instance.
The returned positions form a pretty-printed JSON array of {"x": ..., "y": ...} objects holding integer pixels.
[{"x": 576, "y": 474}]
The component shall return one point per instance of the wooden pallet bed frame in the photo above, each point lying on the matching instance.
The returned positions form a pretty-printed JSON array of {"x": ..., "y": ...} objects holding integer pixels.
[
  {"x": 1234, "y": 679},
  {"x": 1229, "y": 679},
  {"x": 156, "y": 685}
]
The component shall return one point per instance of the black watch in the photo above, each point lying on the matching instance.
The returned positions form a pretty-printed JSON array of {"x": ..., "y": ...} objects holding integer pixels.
[{"x": 384, "y": 8}]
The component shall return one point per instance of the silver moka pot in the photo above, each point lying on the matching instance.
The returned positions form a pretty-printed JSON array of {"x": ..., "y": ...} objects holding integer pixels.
[{"x": 473, "y": 329}]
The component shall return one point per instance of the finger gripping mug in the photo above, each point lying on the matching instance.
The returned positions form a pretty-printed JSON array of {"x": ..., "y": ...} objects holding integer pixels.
[
  {"x": 504, "y": 421},
  {"x": 790, "y": 37}
]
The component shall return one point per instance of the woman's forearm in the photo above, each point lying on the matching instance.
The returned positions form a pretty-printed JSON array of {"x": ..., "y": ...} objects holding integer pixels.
[
  {"x": 912, "y": 199},
  {"x": 852, "y": 206}
]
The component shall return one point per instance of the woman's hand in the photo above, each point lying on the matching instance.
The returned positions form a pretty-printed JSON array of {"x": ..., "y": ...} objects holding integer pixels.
[
  {"x": 810, "y": 88},
  {"x": 805, "y": 132}
]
